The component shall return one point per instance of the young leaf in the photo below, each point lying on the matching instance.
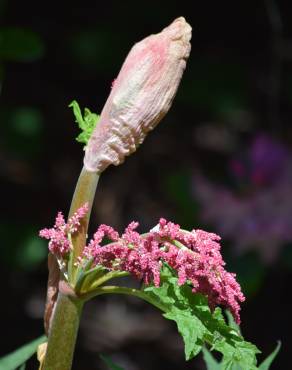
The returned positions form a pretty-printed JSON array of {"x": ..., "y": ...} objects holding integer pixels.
[
  {"x": 198, "y": 325},
  {"x": 77, "y": 113},
  {"x": 110, "y": 363},
  {"x": 265, "y": 365},
  {"x": 86, "y": 123},
  {"x": 17, "y": 358}
]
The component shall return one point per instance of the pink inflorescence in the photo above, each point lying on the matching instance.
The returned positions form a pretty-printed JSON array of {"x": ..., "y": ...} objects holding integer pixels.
[
  {"x": 195, "y": 256},
  {"x": 58, "y": 235}
]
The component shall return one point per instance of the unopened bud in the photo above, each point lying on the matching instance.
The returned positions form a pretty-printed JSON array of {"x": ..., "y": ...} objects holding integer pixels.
[{"x": 141, "y": 95}]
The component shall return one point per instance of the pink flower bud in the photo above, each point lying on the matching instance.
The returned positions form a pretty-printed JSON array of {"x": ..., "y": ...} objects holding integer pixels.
[{"x": 141, "y": 95}]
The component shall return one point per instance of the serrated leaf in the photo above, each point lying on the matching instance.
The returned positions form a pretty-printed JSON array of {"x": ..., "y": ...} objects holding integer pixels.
[
  {"x": 210, "y": 361},
  {"x": 213, "y": 364},
  {"x": 86, "y": 123},
  {"x": 231, "y": 322},
  {"x": 198, "y": 325},
  {"x": 265, "y": 365},
  {"x": 194, "y": 333},
  {"x": 239, "y": 357},
  {"x": 17, "y": 358},
  {"x": 110, "y": 363}
]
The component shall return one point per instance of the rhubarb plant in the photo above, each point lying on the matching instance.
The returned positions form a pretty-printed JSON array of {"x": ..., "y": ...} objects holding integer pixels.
[{"x": 181, "y": 272}]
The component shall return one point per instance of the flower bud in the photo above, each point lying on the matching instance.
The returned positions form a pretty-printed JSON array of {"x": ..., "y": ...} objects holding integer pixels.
[{"x": 140, "y": 97}]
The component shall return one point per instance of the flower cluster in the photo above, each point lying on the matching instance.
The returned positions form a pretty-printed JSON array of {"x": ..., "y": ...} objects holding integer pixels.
[
  {"x": 195, "y": 256},
  {"x": 59, "y": 235}
]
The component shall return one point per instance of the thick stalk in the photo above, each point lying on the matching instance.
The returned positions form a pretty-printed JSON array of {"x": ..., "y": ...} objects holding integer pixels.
[
  {"x": 63, "y": 333},
  {"x": 65, "y": 321},
  {"x": 84, "y": 193}
]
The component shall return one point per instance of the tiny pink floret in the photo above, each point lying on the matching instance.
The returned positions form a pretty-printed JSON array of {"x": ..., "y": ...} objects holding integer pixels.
[
  {"x": 58, "y": 236},
  {"x": 74, "y": 221}
]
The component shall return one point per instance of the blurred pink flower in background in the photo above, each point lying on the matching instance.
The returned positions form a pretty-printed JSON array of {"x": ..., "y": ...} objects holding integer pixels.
[{"x": 257, "y": 212}]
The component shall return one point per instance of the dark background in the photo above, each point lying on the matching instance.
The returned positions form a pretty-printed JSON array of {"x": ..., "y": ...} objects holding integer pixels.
[{"x": 238, "y": 84}]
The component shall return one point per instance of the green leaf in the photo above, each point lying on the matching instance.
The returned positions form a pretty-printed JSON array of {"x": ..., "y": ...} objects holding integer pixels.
[
  {"x": 77, "y": 113},
  {"x": 17, "y": 358},
  {"x": 265, "y": 365},
  {"x": 190, "y": 328},
  {"x": 86, "y": 123},
  {"x": 212, "y": 364},
  {"x": 210, "y": 361},
  {"x": 231, "y": 322},
  {"x": 199, "y": 326},
  {"x": 110, "y": 363},
  {"x": 241, "y": 357},
  {"x": 20, "y": 45}
]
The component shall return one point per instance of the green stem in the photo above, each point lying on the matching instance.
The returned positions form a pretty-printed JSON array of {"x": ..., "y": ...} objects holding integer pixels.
[
  {"x": 65, "y": 320},
  {"x": 84, "y": 193},
  {"x": 84, "y": 285},
  {"x": 63, "y": 333},
  {"x": 129, "y": 291},
  {"x": 107, "y": 277}
]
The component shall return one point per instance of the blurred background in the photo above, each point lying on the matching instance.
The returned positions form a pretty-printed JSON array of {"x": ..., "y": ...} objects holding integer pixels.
[{"x": 221, "y": 160}]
